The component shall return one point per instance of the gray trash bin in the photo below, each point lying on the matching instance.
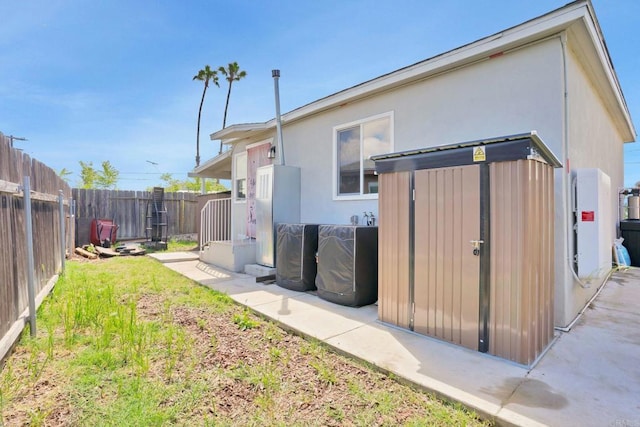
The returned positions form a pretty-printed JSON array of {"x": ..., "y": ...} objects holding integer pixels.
[{"x": 630, "y": 230}]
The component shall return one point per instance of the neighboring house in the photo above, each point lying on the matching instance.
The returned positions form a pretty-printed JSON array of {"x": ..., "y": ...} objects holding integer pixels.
[{"x": 552, "y": 74}]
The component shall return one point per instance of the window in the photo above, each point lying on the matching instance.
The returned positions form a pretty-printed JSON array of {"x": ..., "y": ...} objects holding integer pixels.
[
  {"x": 240, "y": 173},
  {"x": 354, "y": 143}
]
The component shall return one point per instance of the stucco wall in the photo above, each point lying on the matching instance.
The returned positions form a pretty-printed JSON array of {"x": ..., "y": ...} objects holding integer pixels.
[
  {"x": 594, "y": 142},
  {"x": 513, "y": 93},
  {"x": 517, "y": 92}
]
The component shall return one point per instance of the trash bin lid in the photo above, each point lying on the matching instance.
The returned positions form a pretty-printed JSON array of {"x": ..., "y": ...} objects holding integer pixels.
[{"x": 630, "y": 225}]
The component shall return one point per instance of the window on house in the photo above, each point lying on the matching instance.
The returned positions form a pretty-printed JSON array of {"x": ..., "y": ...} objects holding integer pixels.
[
  {"x": 354, "y": 144},
  {"x": 240, "y": 168}
]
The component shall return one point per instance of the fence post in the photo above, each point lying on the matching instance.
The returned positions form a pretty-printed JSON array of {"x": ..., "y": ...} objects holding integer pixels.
[
  {"x": 63, "y": 234},
  {"x": 30, "y": 263}
]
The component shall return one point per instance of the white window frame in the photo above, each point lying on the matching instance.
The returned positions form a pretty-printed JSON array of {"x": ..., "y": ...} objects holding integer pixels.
[
  {"x": 234, "y": 192},
  {"x": 336, "y": 161}
]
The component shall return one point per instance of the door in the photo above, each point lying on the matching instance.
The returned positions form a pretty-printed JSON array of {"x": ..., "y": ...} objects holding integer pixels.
[
  {"x": 257, "y": 156},
  {"x": 448, "y": 246},
  {"x": 264, "y": 216}
]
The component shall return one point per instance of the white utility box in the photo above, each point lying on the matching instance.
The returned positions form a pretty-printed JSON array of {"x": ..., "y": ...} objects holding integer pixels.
[
  {"x": 594, "y": 231},
  {"x": 277, "y": 201}
]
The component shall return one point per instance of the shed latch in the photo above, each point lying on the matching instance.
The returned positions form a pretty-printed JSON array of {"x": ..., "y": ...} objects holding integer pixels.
[{"x": 476, "y": 246}]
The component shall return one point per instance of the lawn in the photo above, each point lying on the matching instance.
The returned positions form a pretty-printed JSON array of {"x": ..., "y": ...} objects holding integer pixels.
[{"x": 126, "y": 341}]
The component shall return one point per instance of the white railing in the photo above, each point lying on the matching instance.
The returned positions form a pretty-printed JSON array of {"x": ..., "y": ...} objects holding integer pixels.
[{"x": 215, "y": 221}]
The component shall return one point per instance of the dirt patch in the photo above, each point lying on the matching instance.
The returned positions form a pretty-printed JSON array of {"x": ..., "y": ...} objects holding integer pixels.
[
  {"x": 286, "y": 372},
  {"x": 247, "y": 371}
]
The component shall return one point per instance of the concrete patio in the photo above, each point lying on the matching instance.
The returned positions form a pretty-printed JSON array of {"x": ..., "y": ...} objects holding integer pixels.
[{"x": 590, "y": 376}]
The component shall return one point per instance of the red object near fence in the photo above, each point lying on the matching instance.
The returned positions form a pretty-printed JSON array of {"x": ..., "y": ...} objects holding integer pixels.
[{"x": 103, "y": 232}]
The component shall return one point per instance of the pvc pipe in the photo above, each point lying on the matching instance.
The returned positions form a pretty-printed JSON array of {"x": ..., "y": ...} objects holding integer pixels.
[
  {"x": 587, "y": 305},
  {"x": 30, "y": 264},
  {"x": 565, "y": 180}
]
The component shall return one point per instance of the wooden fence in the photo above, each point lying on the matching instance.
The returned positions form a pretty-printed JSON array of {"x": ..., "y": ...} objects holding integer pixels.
[
  {"x": 130, "y": 211},
  {"x": 48, "y": 254}
]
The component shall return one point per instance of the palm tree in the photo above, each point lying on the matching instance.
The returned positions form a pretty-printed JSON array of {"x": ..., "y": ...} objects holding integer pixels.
[
  {"x": 231, "y": 73},
  {"x": 205, "y": 75}
]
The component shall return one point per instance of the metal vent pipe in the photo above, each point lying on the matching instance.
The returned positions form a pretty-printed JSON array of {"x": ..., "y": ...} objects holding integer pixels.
[{"x": 279, "y": 148}]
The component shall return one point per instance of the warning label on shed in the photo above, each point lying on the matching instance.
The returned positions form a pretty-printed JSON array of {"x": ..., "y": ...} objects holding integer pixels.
[{"x": 479, "y": 154}]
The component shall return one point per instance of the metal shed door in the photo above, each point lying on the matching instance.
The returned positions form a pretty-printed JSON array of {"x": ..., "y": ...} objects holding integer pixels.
[{"x": 447, "y": 270}]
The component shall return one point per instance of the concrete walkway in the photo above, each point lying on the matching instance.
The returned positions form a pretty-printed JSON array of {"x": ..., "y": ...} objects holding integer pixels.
[{"x": 589, "y": 377}]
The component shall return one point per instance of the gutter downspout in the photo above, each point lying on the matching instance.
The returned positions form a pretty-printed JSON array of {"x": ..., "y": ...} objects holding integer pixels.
[
  {"x": 279, "y": 149},
  {"x": 567, "y": 176}
]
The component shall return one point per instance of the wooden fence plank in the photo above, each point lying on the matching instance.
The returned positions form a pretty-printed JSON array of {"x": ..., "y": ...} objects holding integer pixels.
[
  {"x": 129, "y": 210},
  {"x": 48, "y": 256}
]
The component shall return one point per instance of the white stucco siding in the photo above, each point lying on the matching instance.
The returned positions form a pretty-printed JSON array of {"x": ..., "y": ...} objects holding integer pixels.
[
  {"x": 594, "y": 142},
  {"x": 513, "y": 93}
]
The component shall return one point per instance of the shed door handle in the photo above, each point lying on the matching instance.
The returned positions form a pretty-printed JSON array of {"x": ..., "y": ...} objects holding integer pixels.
[{"x": 476, "y": 246}]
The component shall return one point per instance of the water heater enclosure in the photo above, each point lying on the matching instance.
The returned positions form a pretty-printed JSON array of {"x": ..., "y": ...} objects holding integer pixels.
[{"x": 277, "y": 201}]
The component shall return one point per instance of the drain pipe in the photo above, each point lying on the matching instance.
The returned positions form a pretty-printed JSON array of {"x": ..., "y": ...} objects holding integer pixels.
[
  {"x": 279, "y": 149},
  {"x": 565, "y": 179},
  {"x": 586, "y": 306}
]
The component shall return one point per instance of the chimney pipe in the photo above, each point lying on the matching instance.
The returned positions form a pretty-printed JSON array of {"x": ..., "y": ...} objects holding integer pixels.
[{"x": 279, "y": 149}]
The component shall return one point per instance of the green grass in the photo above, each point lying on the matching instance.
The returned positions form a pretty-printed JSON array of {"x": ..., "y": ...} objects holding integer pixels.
[
  {"x": 129, "y": 342},
  {"x": 92, "y": 314},
  {"x": 174, "y": 245}
]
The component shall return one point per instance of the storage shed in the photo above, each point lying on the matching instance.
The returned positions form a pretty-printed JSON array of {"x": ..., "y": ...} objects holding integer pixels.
[{"x": 466, "y": 244}]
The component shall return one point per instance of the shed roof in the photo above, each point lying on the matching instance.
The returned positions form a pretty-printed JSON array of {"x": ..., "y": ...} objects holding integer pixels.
[{"x": 504, "y": 148}]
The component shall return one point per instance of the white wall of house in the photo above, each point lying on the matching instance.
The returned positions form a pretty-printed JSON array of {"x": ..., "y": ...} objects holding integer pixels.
[
  {"x": 519, "y": 91},
  {"x": 594, "y": 142},
  {"x": 513, "y": 93}
]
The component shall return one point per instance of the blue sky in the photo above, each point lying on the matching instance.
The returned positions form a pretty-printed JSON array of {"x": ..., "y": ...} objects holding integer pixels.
[{"x": 112, "y": 79}]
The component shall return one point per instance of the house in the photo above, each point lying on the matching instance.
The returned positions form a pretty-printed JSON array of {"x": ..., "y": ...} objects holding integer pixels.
[{"x": 552, "y": 75}]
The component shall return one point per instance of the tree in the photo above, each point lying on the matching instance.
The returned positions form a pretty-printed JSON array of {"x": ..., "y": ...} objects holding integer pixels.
[
  {"x": 205, "y": 75},
  {"x": 108, "y": 177},
  {"x": 232, "y": 74},
  {"x": 64, "y": 174},
  {"x": 103, "y": 179},
  {"x": 171, "y": 185},
  {"x": 87, "y": 175}
]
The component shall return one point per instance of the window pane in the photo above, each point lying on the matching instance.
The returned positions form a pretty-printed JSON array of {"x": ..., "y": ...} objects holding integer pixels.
[
  {"x": 349, "y": 161},
  {"x": 241, "y": 188},
  {"x": 241, "y": 166},
  {"x": 241, "y": 176},
  {"x": 376, "y": 140}
]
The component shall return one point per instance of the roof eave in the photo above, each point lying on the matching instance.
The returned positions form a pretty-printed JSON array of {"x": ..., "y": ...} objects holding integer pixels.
[
  {"x": 233, "y": 132},
  {"x": 536, "y": 29},
  {"x": 592, "y": 26},
  {"x": 218, "y": 167}
]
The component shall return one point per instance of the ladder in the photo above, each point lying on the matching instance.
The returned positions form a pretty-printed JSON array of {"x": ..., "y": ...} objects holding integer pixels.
[{"x": 156, "y": 220}]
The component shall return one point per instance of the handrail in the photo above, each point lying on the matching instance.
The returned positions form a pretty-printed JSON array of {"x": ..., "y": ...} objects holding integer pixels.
[{"x": 215, "y": 221}]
